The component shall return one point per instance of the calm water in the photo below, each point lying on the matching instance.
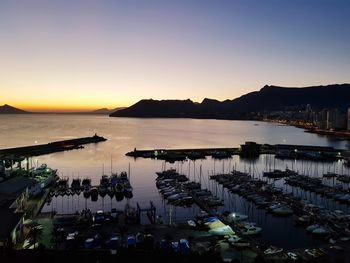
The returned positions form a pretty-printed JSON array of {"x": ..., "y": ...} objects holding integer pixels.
[{"x": 124, "y": 134}]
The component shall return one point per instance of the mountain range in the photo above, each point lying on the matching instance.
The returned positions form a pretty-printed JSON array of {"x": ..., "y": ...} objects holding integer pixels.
[{"x": 269, "y": 98}]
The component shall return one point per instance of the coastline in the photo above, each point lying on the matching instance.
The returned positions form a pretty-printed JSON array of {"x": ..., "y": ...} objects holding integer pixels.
[{"x": 309, "y": 128}]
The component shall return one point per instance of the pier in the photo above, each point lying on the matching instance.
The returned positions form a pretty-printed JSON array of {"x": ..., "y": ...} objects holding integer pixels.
[
  {"x": 151, "y": 213},
  {"x": 41, "y": 149},
  {"x": 247, "y": 150}
]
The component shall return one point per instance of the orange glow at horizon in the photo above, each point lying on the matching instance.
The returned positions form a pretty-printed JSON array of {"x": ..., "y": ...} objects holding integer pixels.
[
  {"x": 46, "y": 107},
  {"x": 66, "y": 56}
]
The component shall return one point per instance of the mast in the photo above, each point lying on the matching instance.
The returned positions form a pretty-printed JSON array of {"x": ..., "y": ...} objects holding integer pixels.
[
  {"x": 129, "y": 171},
  {"x": 111, "y": 165}
]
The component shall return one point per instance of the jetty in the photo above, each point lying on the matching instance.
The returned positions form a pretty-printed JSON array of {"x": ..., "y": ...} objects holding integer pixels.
[
  {"x": 41, "y": 149},
  {"x": 247, "y": 150}
]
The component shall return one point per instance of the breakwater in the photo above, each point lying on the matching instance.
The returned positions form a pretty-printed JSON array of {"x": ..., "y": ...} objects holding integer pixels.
[{"x": 57, "y": 146}]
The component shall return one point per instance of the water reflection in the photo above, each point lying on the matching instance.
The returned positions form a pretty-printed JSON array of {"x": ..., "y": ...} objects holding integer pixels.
[{"x": 125, "y": 134}]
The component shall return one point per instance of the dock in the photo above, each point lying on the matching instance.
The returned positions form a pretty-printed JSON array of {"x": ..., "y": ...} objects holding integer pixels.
[
  {"x": 247, "y": 150},
  {"x": 41, "y": 149}
]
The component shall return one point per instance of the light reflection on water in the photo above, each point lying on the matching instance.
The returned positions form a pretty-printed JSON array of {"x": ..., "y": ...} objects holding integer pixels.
[{"x": 124, "y": 134}]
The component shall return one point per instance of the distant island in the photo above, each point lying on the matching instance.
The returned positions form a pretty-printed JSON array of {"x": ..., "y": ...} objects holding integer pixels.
[
  {"x": 7, "y": 109},
  {"x": 269, "y": 98}
]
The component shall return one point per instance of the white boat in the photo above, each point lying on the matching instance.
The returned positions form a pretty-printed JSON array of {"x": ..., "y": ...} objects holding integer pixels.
[
  {"x": 312, "y": 227},
  {"x": 233, "y": 239},
  {"x": 235, "y": 217},
  {"x": 320, "y": 231},
  {"x": 191, "y": 223},
  {"x": 222, "y": 231},
  {"x": 250, "y": 229},
  {"x": 292, "y": 256},
  {"x": 273, "y": 250}
]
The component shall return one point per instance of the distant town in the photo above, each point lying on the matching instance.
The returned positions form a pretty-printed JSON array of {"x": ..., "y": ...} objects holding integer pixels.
[{"x": 326, "y": 121}]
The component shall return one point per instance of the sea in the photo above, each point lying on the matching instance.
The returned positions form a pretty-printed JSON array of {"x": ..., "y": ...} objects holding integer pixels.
[{"x": 126, "y": 134}]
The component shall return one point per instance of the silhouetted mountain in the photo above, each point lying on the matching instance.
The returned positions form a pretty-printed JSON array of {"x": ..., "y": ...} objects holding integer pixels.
[
  {"x": 105, "y": 111},
  {"x": 280, "y": 98},
  {"x": 269, "y": 98},
  {"x": 155, "y": 108},
  {"x": 7, "y": 109}
]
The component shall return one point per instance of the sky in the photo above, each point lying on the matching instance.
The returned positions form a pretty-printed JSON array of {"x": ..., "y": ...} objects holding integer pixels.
[{"x": 76, "y": 55}]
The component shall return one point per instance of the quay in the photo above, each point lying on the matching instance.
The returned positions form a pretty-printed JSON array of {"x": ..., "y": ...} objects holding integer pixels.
[
  {"x": 57, "y": 146},
  {"x": 247, "y": 150}
]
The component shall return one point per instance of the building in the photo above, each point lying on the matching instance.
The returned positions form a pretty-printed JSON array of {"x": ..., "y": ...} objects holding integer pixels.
[
  {"x": 11, "y": 221},
  {"x": 321, "y": 119},
  {"x": 13, "y": 198},
  {"x": 335, "y": 120}
]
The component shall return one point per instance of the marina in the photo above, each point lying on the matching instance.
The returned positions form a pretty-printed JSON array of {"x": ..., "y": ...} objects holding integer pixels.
[{"x": 242, "y": 203}]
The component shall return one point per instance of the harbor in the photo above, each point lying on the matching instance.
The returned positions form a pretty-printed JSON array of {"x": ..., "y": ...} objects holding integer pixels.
[{"x": 235, "y": 203}]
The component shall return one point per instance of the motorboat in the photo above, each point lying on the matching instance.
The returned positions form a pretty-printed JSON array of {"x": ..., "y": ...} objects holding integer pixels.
[
  {"x": 233, "y": 239},
  {"x": 320, "y": 231},
  {"x": 273, "y": 250},
  {"x": 235, "y": 217},
  {"x": 249, "y": 229}
]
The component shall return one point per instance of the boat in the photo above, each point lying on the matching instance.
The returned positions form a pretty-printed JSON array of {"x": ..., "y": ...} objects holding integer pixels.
[
  {"x": 62, "y": 183},
  {"x": 131, "y": 241},
  {"x": 99, "y": 217},
  {"x": 249, "y": 229},
  {"x": 94, "y": 194},
  {"x": 119, "y": 191},
  {"x": 330, "y": 175},
  {"x": 114, "y": 242},
  {"x": 184, "y": 246},
  {"x": 86, "y": 192},
  {"x": 110, "y": 191},
  {"x": 123, "y": 176},
  {"x": 86, "y": 182},
  {"x": 235, "y": 217},
  {"x": 293, "y": 256},
  {"x": 282, "y": 211},
  {"x": 221, "y": 155},
  {"x": 233, "y": 239},
  {"x": 44, "y": 175},
  {"x": 102, "y": 191},
  {"x": 273, "y": 250},
  {"x": 119, "y": 188},
  {"x": 241, "y": 244},
  {"x": 104, "y": 181},
  {"x": 128, "y": 190},
  {"x": 76, "y": 184},
  {"x": 191, "y": 223},
  {"x": 320, "y": 231},
  {"x": 104, "y": 184},
  {"x": 279, "y": 173},
  {"x": 86, "y": 185},
  {"x": 303, "y": 220}
]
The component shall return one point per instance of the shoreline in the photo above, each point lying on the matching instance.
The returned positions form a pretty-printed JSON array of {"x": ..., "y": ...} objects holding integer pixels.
[{"x": 345, "y": 135}]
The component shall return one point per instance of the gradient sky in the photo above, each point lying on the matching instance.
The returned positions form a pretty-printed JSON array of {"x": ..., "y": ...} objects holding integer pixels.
[{"x": 70, "y": 55}]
